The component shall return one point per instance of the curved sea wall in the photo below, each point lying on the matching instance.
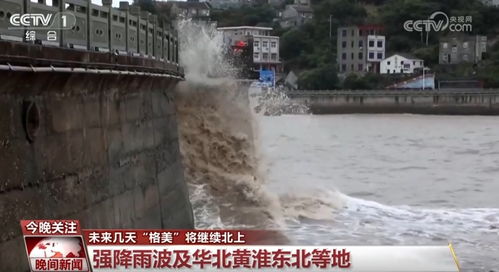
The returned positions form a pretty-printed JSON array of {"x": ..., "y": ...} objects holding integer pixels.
[{"x": 100, "y": 148}]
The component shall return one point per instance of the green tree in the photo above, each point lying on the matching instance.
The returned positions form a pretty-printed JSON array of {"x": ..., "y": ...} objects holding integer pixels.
[{"x": 321, "y": 78}]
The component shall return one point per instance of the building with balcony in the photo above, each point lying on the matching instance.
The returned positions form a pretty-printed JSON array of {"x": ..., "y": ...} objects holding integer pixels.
[
  {"x": 360, "y": 49},
  {"x": 458, "y": 49}
]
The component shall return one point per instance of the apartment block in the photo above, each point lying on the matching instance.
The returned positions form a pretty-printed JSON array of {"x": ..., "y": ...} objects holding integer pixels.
[
  {"x": 360, "y": 49},
  {"x": 458, "y": 49}
]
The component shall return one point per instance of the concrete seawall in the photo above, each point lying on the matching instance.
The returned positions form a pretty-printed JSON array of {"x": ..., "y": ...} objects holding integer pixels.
[
  {"x": 99, "y": 148},
  {"x": 452, "y": 102}
]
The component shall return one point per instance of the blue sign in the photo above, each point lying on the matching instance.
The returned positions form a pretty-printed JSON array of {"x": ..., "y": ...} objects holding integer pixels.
[{"x": 267, "y": 77}]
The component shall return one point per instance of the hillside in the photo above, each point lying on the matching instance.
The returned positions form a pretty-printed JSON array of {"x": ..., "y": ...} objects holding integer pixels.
[{"x": 310, "y": 50}]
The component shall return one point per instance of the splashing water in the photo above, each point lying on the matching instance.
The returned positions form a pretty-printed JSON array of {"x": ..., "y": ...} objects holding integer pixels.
[
  {"x": 275, "y": 102},
  {"x": 217, "y": 139},
  {"x": 202, "y": 53}
]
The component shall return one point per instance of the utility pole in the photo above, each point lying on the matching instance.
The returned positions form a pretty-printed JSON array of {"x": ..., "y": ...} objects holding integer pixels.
[
  {"x": 423, "y": 77},
  {"x": 330, "y": 27}
]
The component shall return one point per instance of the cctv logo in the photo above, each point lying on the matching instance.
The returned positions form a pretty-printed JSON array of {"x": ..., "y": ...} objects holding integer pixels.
[
  {"x": 30, "y": 20},
  {"x": 428, "y": 25},
  {"x": 442, "y": 23}
]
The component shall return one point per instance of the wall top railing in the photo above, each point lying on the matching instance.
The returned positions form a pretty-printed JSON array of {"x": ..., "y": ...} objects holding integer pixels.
[{"x": 124, "y": 37}]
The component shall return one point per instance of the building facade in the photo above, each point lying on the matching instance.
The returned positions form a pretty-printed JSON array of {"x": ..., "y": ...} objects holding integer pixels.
[
  {"x": 462, "y": 49},
  {"x": 192, "y": 9},
  {"x": 263, "y": 46},
  {"x": 360, "y": 49},
  {"x": 400, "y": 64},
  {"x": 296, "y": 15}
]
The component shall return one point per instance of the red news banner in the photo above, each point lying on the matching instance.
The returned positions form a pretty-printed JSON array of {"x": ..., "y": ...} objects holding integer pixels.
[
  {"x": 201, "y": 250},
  {"x": 61, "y": 245}
]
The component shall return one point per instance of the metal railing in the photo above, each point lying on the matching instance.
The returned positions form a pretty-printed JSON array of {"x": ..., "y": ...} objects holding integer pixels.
[{"x": 123, "y": 31}]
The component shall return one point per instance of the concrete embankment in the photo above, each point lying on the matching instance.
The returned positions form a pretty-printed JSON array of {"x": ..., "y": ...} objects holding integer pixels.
[
  {"x": 451, "y": 102},
  {"x": 100, "y": 148}
]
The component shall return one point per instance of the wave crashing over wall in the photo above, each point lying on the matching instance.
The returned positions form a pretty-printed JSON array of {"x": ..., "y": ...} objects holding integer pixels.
[{"x": 217, "y": 142}]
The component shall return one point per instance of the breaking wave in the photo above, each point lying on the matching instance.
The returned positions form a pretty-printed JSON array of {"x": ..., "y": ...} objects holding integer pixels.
[
  {"x": 217, "y": 138},
  {"x": 218, "y": 133}
]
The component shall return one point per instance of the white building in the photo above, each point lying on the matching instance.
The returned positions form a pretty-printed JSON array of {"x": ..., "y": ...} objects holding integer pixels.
[
  {"x": 265, "y": 47},
  {"x": 232, "y": 35},
  {"x": 400, "y": 64},
  {"x": 375, "y": 51}
]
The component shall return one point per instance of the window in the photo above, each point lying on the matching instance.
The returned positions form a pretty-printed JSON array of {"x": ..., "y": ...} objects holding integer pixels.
[
  {"x": 380, "y": 44},
  {"x": 256, "y": 55},
  {"x": 360, "y": 32},
  {"x": 465, "y": 57},
  {"x": 343, "y": 67},
  {"x": 256, "y": 43},
  {"x": 344, "y": 33},
  {"x": 454, "y": 48},
  {"x": 371, "y": 43},
  {"x": 371, "y": 55},
  {"x": 360, "y": 67},
  {"x": 273, "y": 56},
  {"x": 361, "y": 43},
  {"x": 352, "y": 44},
  {"x": 273, "y": 44},
  {"x": 361, "y": 55},
  {"x": 344, "y": 44},
  {"x": 351, "y": 67},
  {"x": 353, "y": 34},
  {"x": 388, "y": 63},
  {"x": 265, "y": 44},
  {"x": 388, "y": 71},
  {"x": 344, "y": 56},
  {"x": 380, "y": 56},
  {"x": 465, "y": 44},
  {"x": 265, "y": 56},
  {"x": 401, "y": 62},
  {"x": 445, "y": 45},
  {"x": 351, "y": 55}
]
